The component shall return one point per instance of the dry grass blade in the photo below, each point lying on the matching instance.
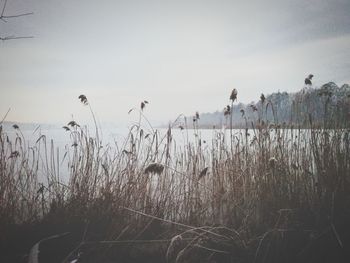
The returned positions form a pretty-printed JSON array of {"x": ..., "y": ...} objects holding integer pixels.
[
  {"x": 34, "y": 251},
  {"x": 173, "y": 247},
  {"x": 180, "y": 256},
  {"x": 248, "y": 179},
  {"x": 3, "y": 119},
  {"x": 337, "y": 236},
  {"x": 34, "y": 254},
  {"x": 42, "y": 137}
]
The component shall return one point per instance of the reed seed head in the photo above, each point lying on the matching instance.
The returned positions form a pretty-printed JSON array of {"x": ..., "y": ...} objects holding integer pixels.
[
  {"x": 272, "y": 162},
  {"x": 203, "y": 173},
  {"x": 143, "y": 104},
  {"x": 308, "y": 79},
  {"x": 14, "y": 154},
  {"x": 242, "y": 111},
  {"x": 262, "y": 98},
  {"x": 227, "y": 110},
  {"x": 233, "y": 95},
  {"x": 155, "y": 168},
  {"x": 73, "y": 124},
  {"x": 254, "y": 108},
  {"x": 126, "y": 152},
  {"x": 196, "y": 116},
  {"x": 83, "y": 99}
]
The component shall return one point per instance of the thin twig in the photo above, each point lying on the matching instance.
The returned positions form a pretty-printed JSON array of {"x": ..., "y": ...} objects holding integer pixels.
[
  {"x": 5, "y": 116},
  {"x": 2, "y": 16},
  {"x": 171, "y": 222},
  {"x": 12, "y": 37},
  {"x": 3, "y": 9},
  {"x": 142, "y": 241},
  {"x": 19, "y": 15}
]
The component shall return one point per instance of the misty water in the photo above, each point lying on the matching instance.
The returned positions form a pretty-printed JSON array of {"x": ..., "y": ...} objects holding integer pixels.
[
  {"x": 109, "y": 135},
  {"x": 53, "y": 140}
]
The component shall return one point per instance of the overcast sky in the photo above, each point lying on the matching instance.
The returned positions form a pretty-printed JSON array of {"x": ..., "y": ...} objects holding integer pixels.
[{"x": 181, "y": 56}]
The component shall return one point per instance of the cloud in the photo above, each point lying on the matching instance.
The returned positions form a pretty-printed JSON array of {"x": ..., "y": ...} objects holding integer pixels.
[{"x": 183, "y": 56}]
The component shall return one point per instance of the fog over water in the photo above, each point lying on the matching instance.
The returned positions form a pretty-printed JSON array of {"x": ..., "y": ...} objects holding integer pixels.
[{"x": 59, "y": 142}]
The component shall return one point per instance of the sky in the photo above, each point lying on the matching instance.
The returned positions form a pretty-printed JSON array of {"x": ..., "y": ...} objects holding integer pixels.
[{"x": 181, "y": 56}]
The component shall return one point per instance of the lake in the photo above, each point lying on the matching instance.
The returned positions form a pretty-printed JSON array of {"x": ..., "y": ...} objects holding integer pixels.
[
  {"x": 59, "y": 141},
  {"x": 109, "y": 135}
]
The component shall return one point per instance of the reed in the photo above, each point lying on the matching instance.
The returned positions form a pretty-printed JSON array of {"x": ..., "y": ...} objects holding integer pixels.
[{"x": 246, "y": 197}]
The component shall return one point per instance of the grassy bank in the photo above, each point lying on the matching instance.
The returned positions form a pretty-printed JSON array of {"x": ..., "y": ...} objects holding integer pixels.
[{"x": 271, "y": 195}]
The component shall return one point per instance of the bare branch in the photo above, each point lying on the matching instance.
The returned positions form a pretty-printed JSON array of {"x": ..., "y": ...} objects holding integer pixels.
[
  {"x": 24, "y": 14},
  {"x": 3, "y": 17},
  {"x": 3, "y": 8},
  {"x": 14, "y": 37},
  {"x": 5, "y": 116}
]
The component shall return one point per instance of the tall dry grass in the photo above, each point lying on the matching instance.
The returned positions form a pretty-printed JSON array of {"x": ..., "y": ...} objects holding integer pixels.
[{"x": 247, "y": 193}]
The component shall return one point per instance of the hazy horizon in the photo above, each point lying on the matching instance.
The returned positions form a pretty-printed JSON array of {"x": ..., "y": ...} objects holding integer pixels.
[{"x": 181, "y": 56}]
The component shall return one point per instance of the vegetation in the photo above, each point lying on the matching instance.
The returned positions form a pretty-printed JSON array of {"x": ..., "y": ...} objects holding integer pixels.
[
  {"x": 266, "y": 194},
  {"x": 329, "y": 104}
]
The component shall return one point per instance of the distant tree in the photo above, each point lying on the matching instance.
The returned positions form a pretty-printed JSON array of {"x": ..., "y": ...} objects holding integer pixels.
[
  {"x": 5, "y": 18},
  {"x": 325, "y": 106}
]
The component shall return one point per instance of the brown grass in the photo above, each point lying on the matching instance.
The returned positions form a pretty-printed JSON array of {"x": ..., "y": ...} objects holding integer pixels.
[{"x": 267, "y": 195}]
